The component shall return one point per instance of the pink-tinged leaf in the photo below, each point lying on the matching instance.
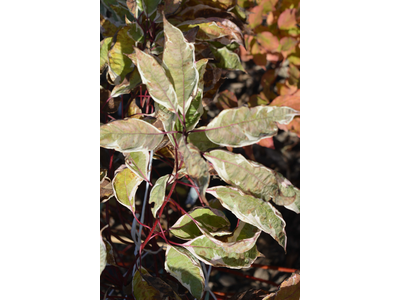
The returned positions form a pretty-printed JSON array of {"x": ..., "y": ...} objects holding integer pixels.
[
  {"x": 222, "y": 4},
  {"x": 180, "y": 60},
  {"x": 226, "y": 99},
  {"x": 106, "y": 190},
  {"x": 268, "y": 41},
  {"x": 288, "y": 290},
  {"x": 267, "y": 142},
  {"x": 125, "y": 185},
  {"x": 214, "y": 29},
  {"x": 252, "y": 210},
  {"x": 130, "y": 135},
  {"x": 292, "y": 101},
  {"x": 255, "y": 16},
  {"x": 158, "y": 84},
  {"x": 252, "y": 178},
  {"x": 288, "y": 46},
  {"x": 286, "y": 89},
  {"x": 238, "y": 127},
  {"x": 131, "y": 81},
  {"x": 287, "y": 19}
]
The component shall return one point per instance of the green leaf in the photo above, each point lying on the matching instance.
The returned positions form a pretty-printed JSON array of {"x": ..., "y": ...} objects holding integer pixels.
[
  {"x": 148, "y": 6},
  {"x": 238, "y": 127},
  {"x": 200, "y": 140},
  {"x": 227, "y": 59},
  {"x": 210, "y": 253},
  {"x": 192, "y": 116},
  {"x": 141, "y": 289},
  {"x": 125, "y": 185},
  {"x": 211, "y": 219},
  {"x": 137, "y": 162},
  {"x": 157, "y": 194},
  {"x": 252, "y": 177},
  {"x": 117, "y": 9},
  {"x": 253, "y": 211},
  {"x": 158, "y": 85},
  {"x": 179, "y": 58},
  {"x": 131, "y": 81},
  {"x": 120, "y": 64},
  {"x": 130, "y": 135},
  {"x": 196, "y": 166},
  {"x": 104, "y": 48},
  {"x": 182, "y": 265}
]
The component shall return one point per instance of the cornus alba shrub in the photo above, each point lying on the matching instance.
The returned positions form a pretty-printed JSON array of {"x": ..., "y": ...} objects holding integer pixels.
[{"x": 143, "y": 51}]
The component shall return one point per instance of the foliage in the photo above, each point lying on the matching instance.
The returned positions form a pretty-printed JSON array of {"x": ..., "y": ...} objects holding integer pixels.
[{"x": 171, "y": 55}]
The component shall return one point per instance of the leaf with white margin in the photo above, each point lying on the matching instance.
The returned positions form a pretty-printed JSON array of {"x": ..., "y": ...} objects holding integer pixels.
[
  {"x": 125, "y": 185},
  {"x": 195, "y": 165},
  {"x": 179, "y": 58},
  {"x": 130, "y": 135},
  {"x": 252, "y": 178},
  {"x": 241, "y": 240},
  {"x": 137, "y": 162},
  {"x": 253, "y": 211},
  {"x": 211, "y": 254},
  {"x": 182, "y": 265},
  {"x": 141, "y": 289},
  {"x": 211, "y": 219},
  {"x": 157, "y": 194},
  {"x": 155, "y": 78},
  {"x": 238, "y": 127},
  {"x": 295, "y": 206}
]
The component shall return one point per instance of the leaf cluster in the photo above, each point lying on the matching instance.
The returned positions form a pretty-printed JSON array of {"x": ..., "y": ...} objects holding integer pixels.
[{"x": 176, "y": 52}]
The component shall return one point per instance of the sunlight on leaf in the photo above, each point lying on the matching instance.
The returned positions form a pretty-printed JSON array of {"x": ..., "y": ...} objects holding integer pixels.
[
  {"x": 252, "y": 178},
  {"x": 157, "y": 194},
  {"x": 182, "y": 265},
  {"x": 253, "y": 211},
  {"x": 125, "y": 185},
  {"x": 130, "y": 135}
]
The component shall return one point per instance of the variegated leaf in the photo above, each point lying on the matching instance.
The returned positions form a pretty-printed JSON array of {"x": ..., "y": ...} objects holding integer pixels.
[
  {"x": 211, "y": 219},
  {"x": 200, "y": 140},
  {"x": 252, "y": 177},
  {"x": 130, "y": 135},
  {"x": 158, "y": 84},
  {"x": 182, "y": 265},
  {"x": 210, "y": 253},
  {"x": 125, "y": 185},
  {"x": 253, "y": 211},
  {"x": 137, "y": 162},
  {"x": 295, "y": 206},
  {"x": 179, "y": 58},
  {"x": 157, "y": 194},
  {"x": 238, "y": 127}
]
